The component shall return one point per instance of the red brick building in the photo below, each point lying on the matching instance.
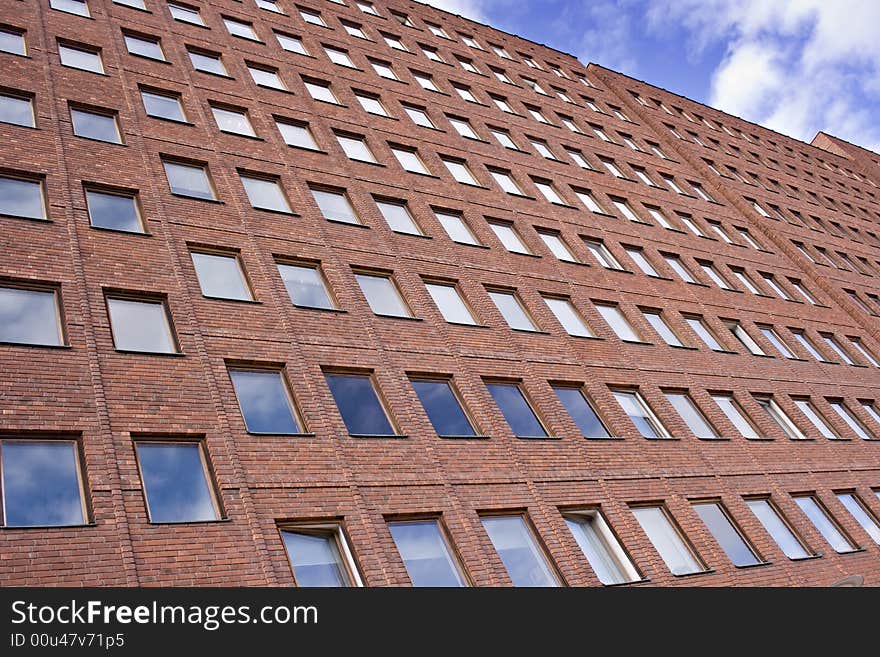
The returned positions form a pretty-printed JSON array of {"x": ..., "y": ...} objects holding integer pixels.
[{"x": 365, "y": 292}]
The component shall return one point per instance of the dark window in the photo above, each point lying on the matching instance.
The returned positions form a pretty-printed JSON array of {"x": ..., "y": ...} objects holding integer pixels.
[
  {"x": 728, "y": 536},
  {"x": 443, "y": 408},
  {"x": 265, "y": 402},
  {"x": 359, "y": 405},
  {"x": 516, "y": 410},
  {"x": 175, "y": 478},
  {"x": 582, "y": 412},
  {"x": 29, "y": 316},
  {"x": 117, "y": 211}
]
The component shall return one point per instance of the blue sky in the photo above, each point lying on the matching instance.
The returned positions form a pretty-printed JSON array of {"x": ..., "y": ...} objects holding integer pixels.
[{"x": 796, "y": 66}]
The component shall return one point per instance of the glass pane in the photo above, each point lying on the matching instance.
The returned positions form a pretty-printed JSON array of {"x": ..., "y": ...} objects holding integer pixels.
[
  {"x": 813, "y": 416},
  {"x": 140, "y": 326},
  {"x": 594, "y": 538},
  {"x": 220, "y": 276},
  {"x": 232, "y": 121},
  {"x": 297, "y": 135},
  {"x": 523, "y": 559},
  {"x": 29, "y": 317},
  {"x": 17, "y": 111},
  {"x": 398, "y": 217},
  {"x": 513, "y": 312},
  {"x": 41, "y": 483},
  {"x": 662, "y": 328},
  {"x": 382, "y": 295},
  {"x": 558, "y": 247},
  {"x": 582, "y": 413},
  {"x": 726, "y": 534},
  {"x": 114, "y": 211},
  {"x": 21, "y": 198},
  {"x": 166, "y": 107},
  {"x": 704, "y": 334},
  {"x": 451, "y": 305},
  {"x": 570, "y": 319},
  {"x": 456, "y": 228},
  {"x": 315, "y": 559},
  {"x": 145, "y": 48},
  {"x": 692, "y": 416},
  {"x": 83, "y": 59},
  {"x": 94, "y": 126},
  {"x": 175, "y": 482},
  {"x": 12, "y": 42},
  {"x": 841, "y": 409},
  {"x": 335, "y": 206},
  {"x": 826, "y": 526},
  {"x": 425, "y": 554},
  {"x": 207, "y": 63},
  {"x": 516, "y": 410},
  {"x": 667, "y": 541},
  {"x": 265, "y": 194},
  {"x": 265, "y": 402},
  {"x": 443, "y": 409},
  {"x": 778, "y": 529},
  {"x": 618, "y": 323},
  {"x": 305, "y": 286},
  {"x": 359, "y": 406},
  {"x": 736, "y": 415},
  {"x": 188, "y": 180},
  {"x": 858, "y": 511},
  {"x": 632, "y": 405}
]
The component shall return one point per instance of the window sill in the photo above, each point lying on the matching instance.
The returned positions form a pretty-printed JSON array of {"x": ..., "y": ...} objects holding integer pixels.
[
  {"x": 480, "y": 326},
  {"x": 44, "y": 527},
  {"x": 762, "y": 439},
  {"x": 708, "y": 571},
  {"x": 716, "y": 439},
  {"x": 241, "y": 134},
  {"x": 684, "y": 346},
  {"x": 164, "y": 354},
  {"x": 662, "y": 439},
  {"x": 639, "y": 342},
  {"x": 198, "y": 198},
  {"x": 810, "y": 557},
  {"x": 286, "y": 213},
  {"x": 224, "y": 76},
  {"x": 6, "y": 343},
  {"x": 368, "y": 162},
  {"x": 156, "y": 523},
  {"x": 148, "y": 58},
  {"x": 601, "y": 438},
  {"x": 252, "y": 302},
  {"x": 403, "y": 317},
  {"x": 323, "y": 310},
  {"x": 307, "y": 149},
  {"x": 347, "y": 223},
  {"x": 472, "y": 437},
  {"x": 167, "y": 120},
  {"x": 643, "y": 580},
  {"x": 530, "y": 331},
  {"x": 538, "y": 437},
  {"x": 395, "y": 436},
  {"x": 120, "y": 231},
  {"x": 416, "y": 235},
  {"x": 100, "y": 141},
  {"x": 307, "y": 434}
]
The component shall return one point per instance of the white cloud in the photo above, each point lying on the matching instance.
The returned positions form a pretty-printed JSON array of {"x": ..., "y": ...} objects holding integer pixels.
[{"x": 796, "y": 66}]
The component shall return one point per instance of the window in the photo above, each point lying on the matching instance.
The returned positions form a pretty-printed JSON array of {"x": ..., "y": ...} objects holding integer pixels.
[
  {"x": 321, "y": 91},
  {"x": 398, "y": 217},
  {"x": 748, "y": 239},
  {"x": 659, "y": 217},
  {"x": 701, "y": 192},
  {"x": 409, "y": 159},
  {"x": 367, "y": 8},
  {"x": 41, "y": 483},
  {"x": 667, "y": 540},
  {"x": 460, "y": 171},
  {"x": 144, "y": 46},
  {"x": 691, "y": 414},
  {"x": 850, "y": 419},
  {"x": 691, "y": 224},
  {"x": 456, "y": 228},
  {"x": 729, "y": 537},
  {"x": 114, "y": 211},
  {"x": 640, "y": 414},
  {"x": 240, "y": 29},
  {"x": 443, "y": 408},
  {"x": 382, "y": 295},
  {"x": 502, "y": 104},
  {"x": 425, "y": 82},
  {"x": 525, "y": 562},
  {"x": 30, "y": 316},
  {"x": 785, "y": 424},
  {"x": 233, "y": 121},
  {"x": 291, "y": 43},
  {"x": 463, "y": 127},
  {"x": 601, "y": 134},
  {"x": 618, "y": 322},
  {"x": 699, "y": 327},
  {"x": 770, "y": 280},
  {"x": 373, "y": 104},
  {"x": 78, "y": 7},
  {"x": 356, "y": 148},
  {"x": 557, "y": 246},
  {"x": 436, "y": 30},
  {"x": 320, "y": 557},
  {"x": 612, "y": 167},
  {"x": 802, "y": 290},
  {"x": 516, "y": 410},
  {"x": 12, "y": 41},
  {"x": 140, "y": 325},
  {"x": 265, "y": 193},
  {"x": 548, "y": 191},
  {"x": 655, "y": 319},
  {"x": 207, "y": 63},
  {"x": 265, "y": 402},
  {"x": 432, "y": 54},
  {"x": 95, "y": 125},
  {"x": 359, "y": 405},
  {"x": 269, "y": 5},
  {"x": 582, "y": 412},
  {"x": 266, "y": 77},
  {"x": 403, "y": 19},
  {"x": 506, "y": 182},
  {"x": 335, "y": 206},
  {"x": 601, "y": 548},
  {"x": 602, "y": 254},
  {"x": 857, "y": 344},
  {"x": 642, "y": 262},
  {"x": 312, "y": 17},
  {"x": 175, "y": 477},
  {"x": 298, "y": 135},
  {"x": 355, "y": 30},
  {"x": 471, "y": 42},
  {"x": 825, "y": 523},
  {"x": 806, "y": 407},
  {"x": 579, "y": 159},
  {"x": 163, "y": 105},
  {"x": 467, "y": 64},
  {"x": 862, "y": 514},
  {"x": 589, "y": 201},
  {"x": 419, "y": 116},
  {"x": 338, "y": 57},
  {"x": 745, "y": 279},
  {"x": 801, "y": 336},
  {"x": 81, "y": 57},
  {"x": 512, "y": 310},
  {"x": 425, "y": 553},
  {"x": 221, "y": 276},
  {"x": 185, "y": 14},
  {"x": 465, "y": 93},
  {"x": 642, "y": 175},
  {"x": 832, "y": 342},
  {"x": 22, "y": 197},
  {"x": 568, "y": 316},
  {"x": 744, "y": 338},
  {"x": 774, "y": 339},
  {"x": 449, "y": 302},
  {"x": 501, "y": 52},
  {"x": 624, "y": 208},
  {"x": 737, "y": 416},
  {"x": 670, "y": 182},
  {"x": 537, "y": 114},
  {"x": 509, "y": 237},
  {"x": 778, "y": 528},
  {"x": 306, "y": 286},
  {"x": 16, "y": 109}
]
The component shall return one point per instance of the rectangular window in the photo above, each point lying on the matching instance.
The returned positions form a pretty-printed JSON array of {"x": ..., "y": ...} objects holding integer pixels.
[
  {"x": 234, "y": 121},
  {"x": 845, "y": 414},
  {"x": 512, "y": 310},
  {"x": 419, "y": 116},
  {"x": 335, "y": 206},
  {"x": 456, "y": 228},
  {"x": 655, "y": 319},
  {"x": 177, "y": 482},
  {"x": 602, "y": 254},
  {"x": 579, "y": 159},
  {"x": 265, "y": 401},
  {"x": 778, "y": 528},
  {"x": 744, "y": 338},
  {"x": 801, "y": 336},
  {"x": 145, "y": 46},
  {"x": 549, "y": 192},
  {"x": 449, "y": 302},
  {"x": 398, "y": 217},
  {"x": 425, "y": 552},
  {"x": 862, "y": 515},
  {"x": 624, "y": 208},
  {"x": 825, "y": 523},
  {"x": 95, "y": 125},
  {"x": 460, "y": 171},
  {"x": 312, "y": 17},
  {"x": 266, "y": 77},
  {"x": 16, "y": 109},
  {"x": 81, "y": 57},
  {"x": 699, "y": 327},
  {"x": 321, "y": 91},
  {"x": 692, "y": 415},
  {"x": 774, "y": 339},
  {"x": 803, "y": 291},
  {"x": 189, "y": 180},
  {"x": 339, "y": 57},
  {"x": 114, "y": 210},
  {"x": 525, "y": 562},
  {"x": 835, "y": 346},
  {"x": 589, "y": 201},
  {"x": 860, "y": 347},
  {"x": 642, "y": 262},
  {"x": 163, "y": 105},
  {"x": 356, "y": 148},
  {"x": 359, "y": 405},
  {"x": 269, "y": 5},
  {"x": 319, "y": 556},
  {"x": 569, "y": 317},
  {"x": 22, "y": 197},
  {"x": 220, "y": 276},
  {"x": 710, "y": 271},
  {"x": 443, "y": 407},
  {"x": 737, "y": 415},
  {"x": 291, "y": 43},
  {"x": 806, "y": 407},
  {"x": 618, "y": 323},
  {"x": 640, "y": 414},
  {"x": 516, "y": 410},
  {"x": 240, "y": 29},
  {"x": 779, "y": 417},
  {"x": 463, "y": 127},
  {"x": 509, "y": 237},
  {"x": 746, "y": 281},
  {"x": 185, "y": 14},
  {"x": 770, "y": 280},
  {"x": 409, "y": 159},
  {"x": 382, "y": 295},
  {"x": 676, "y": 265},
  {"x": 557, "y": 246},
  {"x": 612, "y": 167},
  {"x": 668, "y": 540},
  {"x": 30, "y": 316},
  {"x": 601, "y": 547},
  {"x": 141, "y": 325},
  {"x": 41, "y": 483},
  {"x": 297, "y": 134},
  {"x": 78, "y": 7},
  {"x": 506, "y": 182},
  {"x": 581, "y": 411},
  {"x": 729, "y": 536},
  {"x": 306, "y": 286},
  {"x": 265, "y": 193},
  {"x": 543, "y": 149}
]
